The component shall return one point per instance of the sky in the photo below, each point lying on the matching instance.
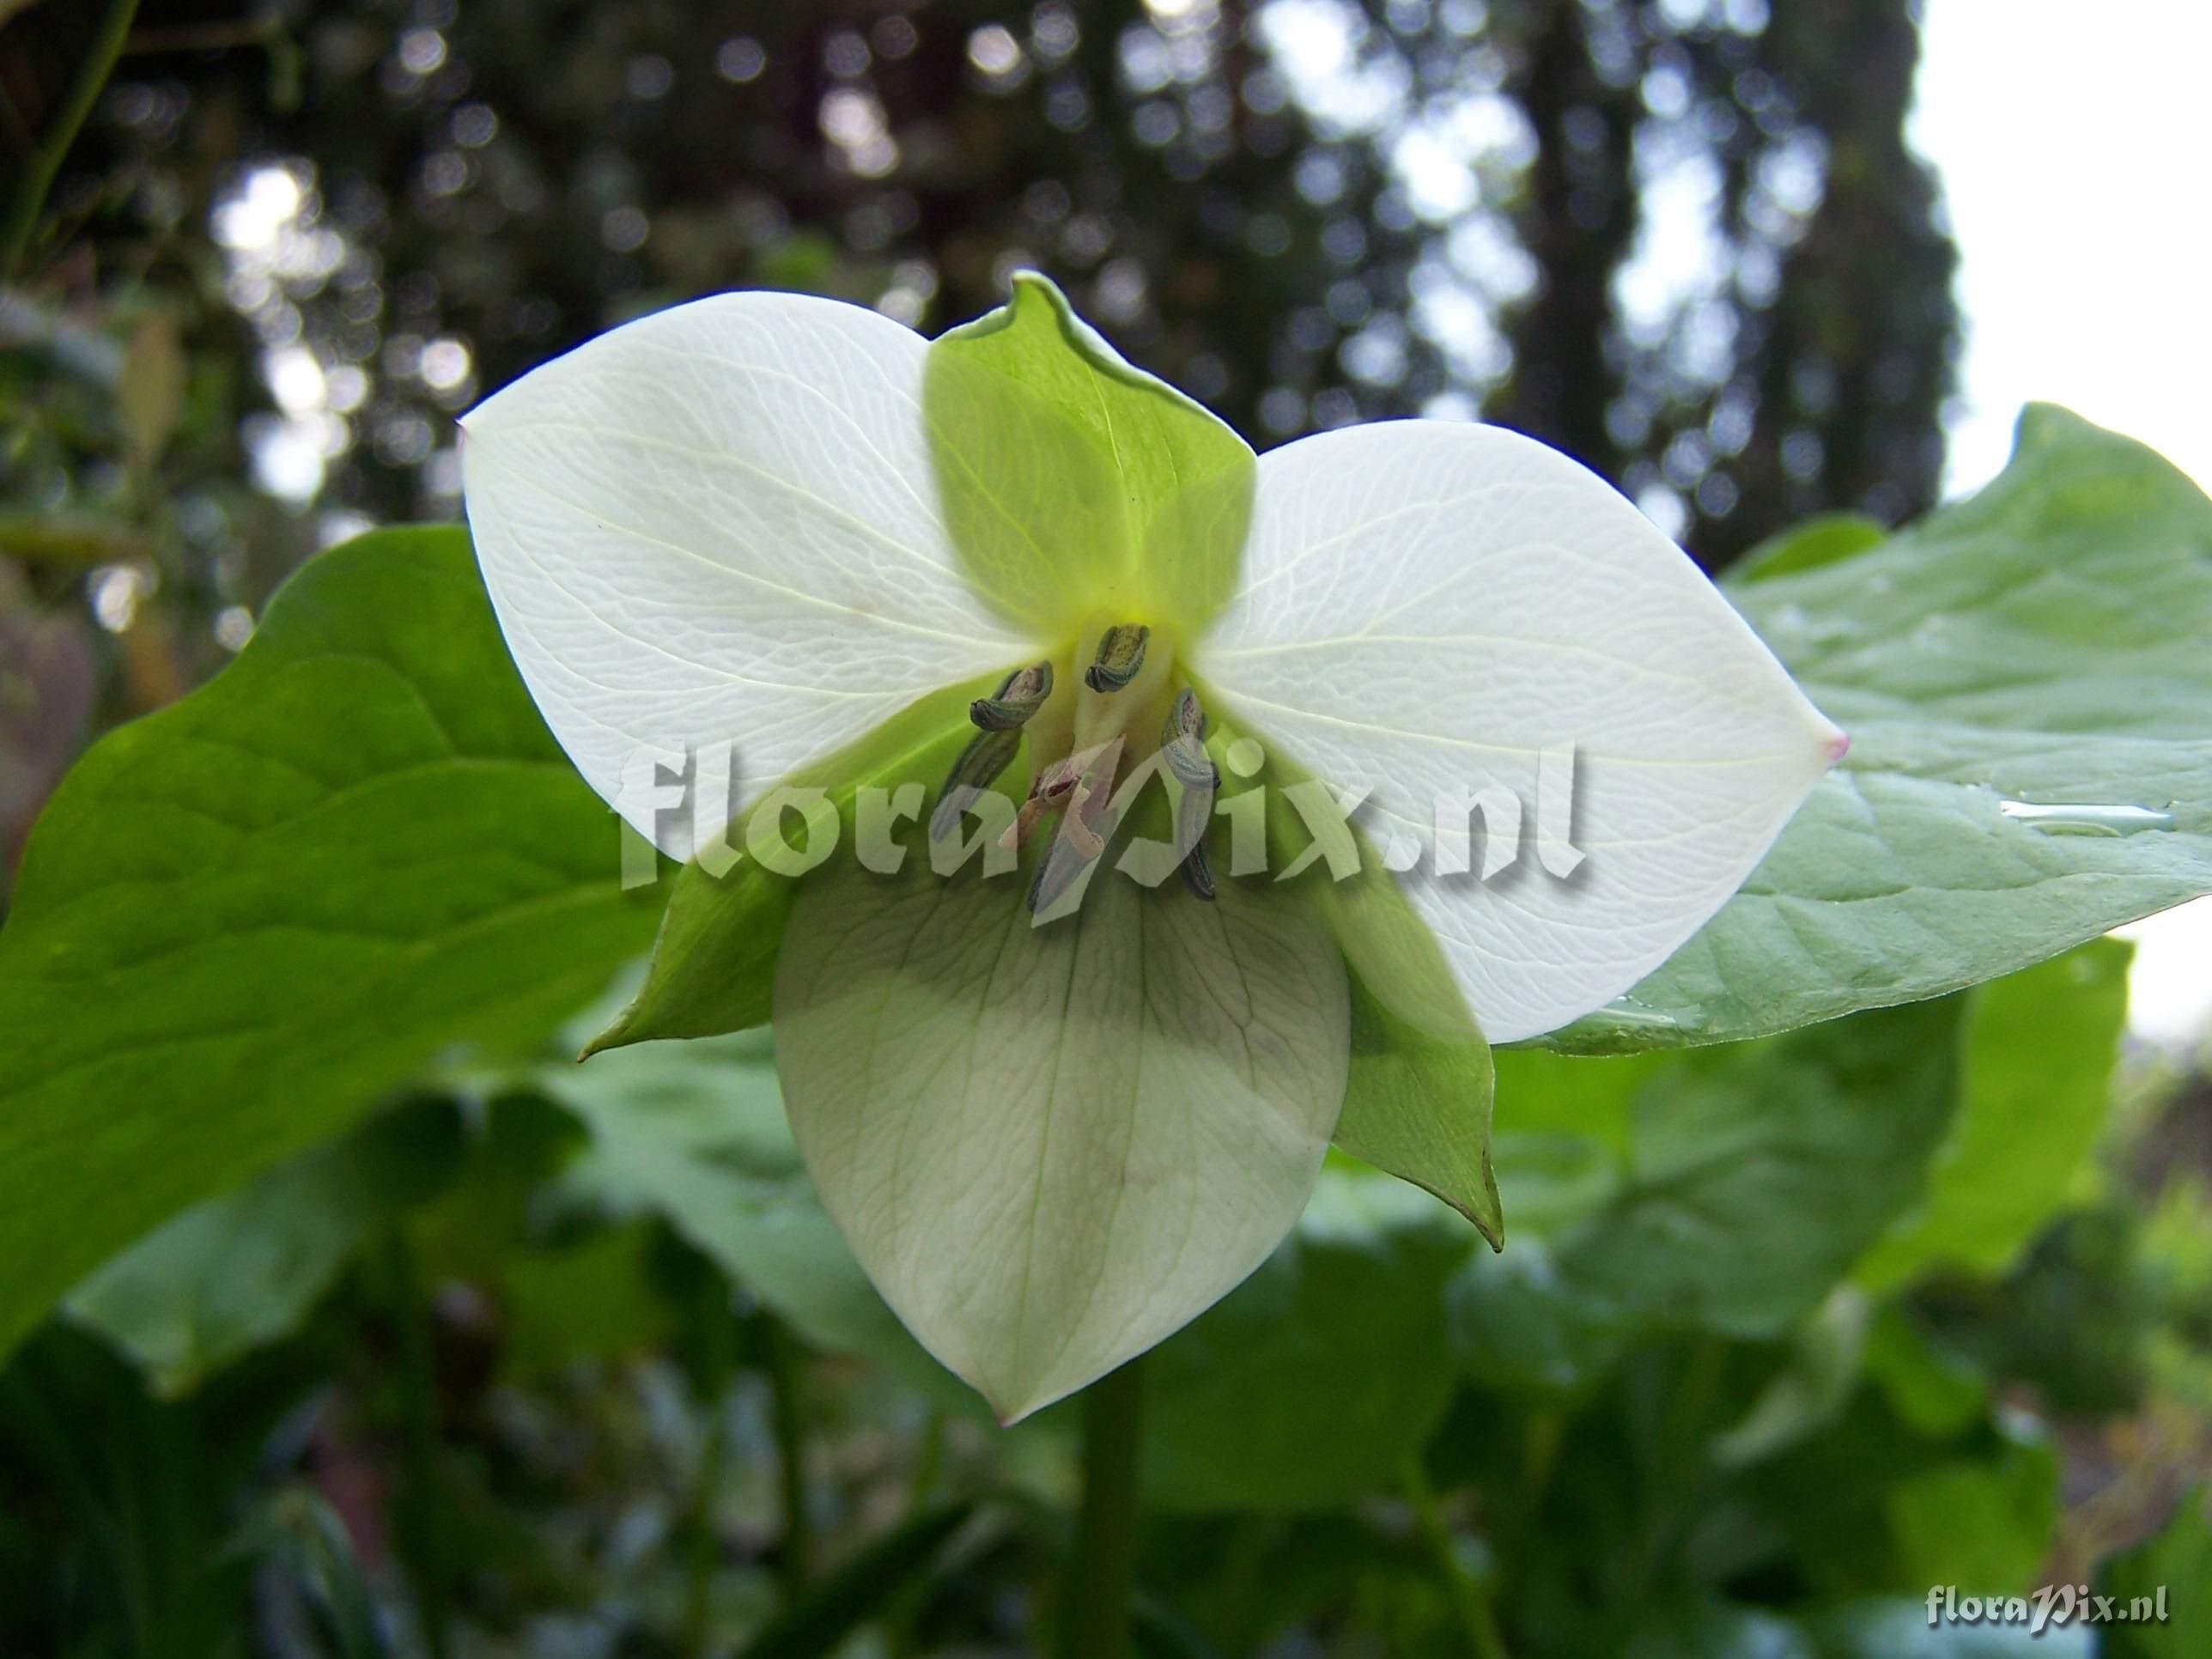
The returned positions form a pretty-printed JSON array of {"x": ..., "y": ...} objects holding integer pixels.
[{"x": 2072, "y": 146}]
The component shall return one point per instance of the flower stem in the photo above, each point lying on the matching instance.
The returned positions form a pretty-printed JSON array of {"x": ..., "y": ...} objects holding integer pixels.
[
  {"x": 421, "y": 1514},
  {"x": 704, "y": 1554},
  {"x": 45, "y": 160},
  {"x": 1468, "y": 1593},
  {"x": 783, "y": 1367},
  {"x": 1095, "y": 1599}
]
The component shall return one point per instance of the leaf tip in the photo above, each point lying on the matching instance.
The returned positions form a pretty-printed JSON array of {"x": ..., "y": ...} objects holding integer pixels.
[{"x": 617, "y": 1036}]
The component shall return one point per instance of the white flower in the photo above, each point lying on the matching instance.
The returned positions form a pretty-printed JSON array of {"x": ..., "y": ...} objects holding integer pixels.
[{"x": 781, "y": 521}]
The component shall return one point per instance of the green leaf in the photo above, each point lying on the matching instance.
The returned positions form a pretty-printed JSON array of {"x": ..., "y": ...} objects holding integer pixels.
[
  {"x": 696, "y": 1133},
  {"x": 2037, "y": 1076},
  {"x": 2040, "y": 643},
  {"x": 1074, "y": 483},
  {"x": 242, "y": 919},
  {"x": 237, "y": 1272},
  {"x": 1828, "y": 539},
  {"x": 1983, "y": 1526},
  {"x": 1811, "y": 1389},
  {"x": 860, "y": 1588},
  {"x": 1316, "y": 1378},
  {"x": 1755, "y": 1177},
  {"x": 1053, "y": 1146},
  {"x": 2170, "y": 1572},
  {"x": 586, "y": 1300},
  {"x": 1932, "y": 1390}
]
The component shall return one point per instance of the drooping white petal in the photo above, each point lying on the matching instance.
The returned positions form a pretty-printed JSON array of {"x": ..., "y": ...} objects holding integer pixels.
[
  {"x": 1051, "y": 1146},
  {"x": 719, "y": 525},
  {"x": 1428, "y": 607}
]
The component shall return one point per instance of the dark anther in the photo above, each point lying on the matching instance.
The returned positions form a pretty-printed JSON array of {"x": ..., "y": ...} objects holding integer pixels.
[
  {"x": 1019, "y": 695},
  {"x": 1182, "y": 747},
  {"x": 1121, "y": 656}
]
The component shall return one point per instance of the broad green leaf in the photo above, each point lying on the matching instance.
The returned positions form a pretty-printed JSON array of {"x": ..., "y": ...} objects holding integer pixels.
[
  {"x": 1314, "y": 1380},
  {"x": 1052, "y": 1146},
  {"x": 2025, "y": 679},
  {"x": 1829, "y": 539},
  {"x": 242, "y": 919},
  {"x": 1075, "y": 485},
  {"x": 1755, "y": 1176},
  {"x": 1932, "y": 1390},
  {"x": 242, "y": 1270},
  {"x": 696, "y": 1133},
  {"x": 1810, "y": 1390},
  {"x": 2040, "y": 1048},
  {"x": 587, "y": 1299},
  {"x": 713, "y": 534},
  {"x": 1984, "y": 1526},
  {"x": 2168, "y": 1576}
]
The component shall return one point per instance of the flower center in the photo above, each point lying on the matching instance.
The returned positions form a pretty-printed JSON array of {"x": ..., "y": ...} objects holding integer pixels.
[{"x": 1088, "y": 731}]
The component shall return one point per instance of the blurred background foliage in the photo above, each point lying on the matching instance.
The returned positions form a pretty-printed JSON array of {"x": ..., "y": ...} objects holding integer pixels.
[{"x": 556, "y": 1363}]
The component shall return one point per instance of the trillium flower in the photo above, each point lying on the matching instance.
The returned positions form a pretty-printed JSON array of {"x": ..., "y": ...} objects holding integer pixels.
[{"x": 1059, "y": 1113}]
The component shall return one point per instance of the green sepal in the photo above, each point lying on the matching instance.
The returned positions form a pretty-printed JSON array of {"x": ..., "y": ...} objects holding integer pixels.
[
  {"x": 714, "y": 965},
  {"x": 1418, "y": 1097},
  {"x": 1075, "y": 483}
]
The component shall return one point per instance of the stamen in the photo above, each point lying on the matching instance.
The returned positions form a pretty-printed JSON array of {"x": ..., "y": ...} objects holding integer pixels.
[
  {"x": 1198, "y": 874},
  {"x": 1182, "y": 748},
  {"x": 1051, "y": 790},
  {"x": 1019, "y": 695},
  {"x": 987, "y": 754},
  {"x": 1086, "y": 782},
  {"x": 999, "y": 717},
  {"x": 1121, "y": 656}
]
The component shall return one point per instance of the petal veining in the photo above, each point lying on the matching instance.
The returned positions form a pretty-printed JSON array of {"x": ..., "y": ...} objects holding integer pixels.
[
  {"x": 719, "y": 525},
  {"x": 1442, "y": 613},
  {"x": 1052, "y": 1146}
]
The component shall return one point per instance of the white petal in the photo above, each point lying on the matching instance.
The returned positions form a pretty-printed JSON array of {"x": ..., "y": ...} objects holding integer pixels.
[
  {"x": 1051, "y": 1146},
  {"x": 1427, "y": 606},
  {"x": 719, "y": 525}
]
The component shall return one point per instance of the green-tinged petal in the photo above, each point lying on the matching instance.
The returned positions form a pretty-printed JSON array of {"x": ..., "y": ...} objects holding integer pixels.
[
  {"x": 1052, "y": 1146},
  {"x": 1074, "y": 483},
  {"x": 718, "y": 527},
  {"x": 1454, "y": 617}
]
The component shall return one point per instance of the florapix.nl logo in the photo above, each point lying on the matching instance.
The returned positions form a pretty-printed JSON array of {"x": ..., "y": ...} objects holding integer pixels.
[{"x": 1285, "y": 827}]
